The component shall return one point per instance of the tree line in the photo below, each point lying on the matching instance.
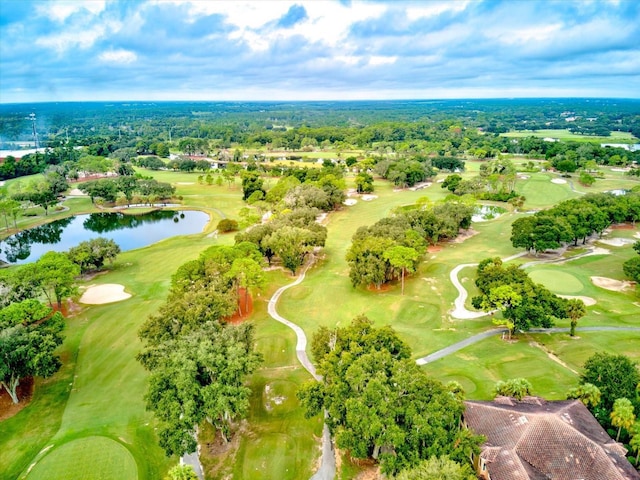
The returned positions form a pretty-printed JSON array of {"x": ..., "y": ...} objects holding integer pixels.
[
  {"x": 574, "y": 220},
  {"x": 393, "y": 246},
  {"x": 198, "y": 362}
]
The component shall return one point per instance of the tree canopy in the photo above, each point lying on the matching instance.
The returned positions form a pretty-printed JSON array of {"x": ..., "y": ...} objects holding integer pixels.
[
  {"x": 29, "y": 335},
  {"x": 379, "y": 403}
]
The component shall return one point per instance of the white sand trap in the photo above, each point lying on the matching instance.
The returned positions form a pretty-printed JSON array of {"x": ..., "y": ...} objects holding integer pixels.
[
  {"x": 185, "y": 183},
  {"x": 588, "y": 301},
  {"x": 610, "y": 284},
  {"x": 368, "y": 198},
  {"x": 616, "y": 242},
  {"x": 620, "y": 169},
  {"x": 559, "y": 181},
  {"x": 76, "y": 192},
  {"x": 350, "y": 202},
  {"x": 636, "y": 235},
  {"x": 523, "y": 177},
  {"x": 107, "y": 293}
]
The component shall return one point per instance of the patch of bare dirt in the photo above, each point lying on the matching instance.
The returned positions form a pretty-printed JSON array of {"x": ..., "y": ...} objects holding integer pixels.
[
  {"x": 465, "y": 235},
  {"x": 434, "y": 248},
  {"x": 245, "y": 308},
  {"x": 611, "y": 284},
  {"x": 25, "y": 392},
  {"x": 385, "y": 287},
  {"x": 622, "y": 226},
  {"x": 552, "y": 356}
]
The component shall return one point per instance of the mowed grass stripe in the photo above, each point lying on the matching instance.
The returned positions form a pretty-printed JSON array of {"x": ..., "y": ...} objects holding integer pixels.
[{"x": 89, "y": 458}]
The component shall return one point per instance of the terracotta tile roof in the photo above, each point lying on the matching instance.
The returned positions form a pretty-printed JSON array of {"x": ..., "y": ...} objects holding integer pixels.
[{"x": 537, "y": 440}]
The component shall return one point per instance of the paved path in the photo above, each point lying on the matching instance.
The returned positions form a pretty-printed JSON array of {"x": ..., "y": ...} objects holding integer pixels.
[
  {"x": 193, "y": 459},
  {"x": 460, "y": 312},
  {"x": 498, "y": 331},
  {"x": 301, "y": 343},
  {"x": 327, "y": 470}
]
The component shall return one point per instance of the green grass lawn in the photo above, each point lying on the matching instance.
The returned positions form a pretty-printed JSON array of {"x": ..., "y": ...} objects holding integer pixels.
[
  {"x": 566, "y": 135},
  {"x": 99, "y": 391},
  {"x": 89, "y": 458}
]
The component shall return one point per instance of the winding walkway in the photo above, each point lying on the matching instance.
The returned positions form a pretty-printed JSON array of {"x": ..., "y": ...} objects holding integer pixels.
[
  {"x": 460, "y": 312},
  {"x": 327, "y": 470}
]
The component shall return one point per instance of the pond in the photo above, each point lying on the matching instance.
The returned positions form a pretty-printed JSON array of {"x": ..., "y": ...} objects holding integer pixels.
[
  {"x": 128, "y": 231},
  {"x": 482, "y": 213}
]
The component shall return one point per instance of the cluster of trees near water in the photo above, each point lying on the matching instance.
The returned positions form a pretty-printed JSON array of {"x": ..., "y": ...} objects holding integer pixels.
[
  {"x": 128, "y": 189},
  {"x": 30, "y": 331},
  {"x": 393, "y": 246},
  {"x": 574, "y": 220},
  {"x": 379, "y": 404},
  {"x": 523, "y": 303},
  {"x": 198, "y": 362},
  {"x": 496, "y": 181}
]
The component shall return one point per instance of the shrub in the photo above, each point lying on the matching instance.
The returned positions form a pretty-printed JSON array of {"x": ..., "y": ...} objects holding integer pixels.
[{"x": 227, "y": 225}]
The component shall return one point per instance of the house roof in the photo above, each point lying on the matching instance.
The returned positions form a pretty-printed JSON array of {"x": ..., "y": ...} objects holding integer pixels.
[{"x": 535, "y": 439}]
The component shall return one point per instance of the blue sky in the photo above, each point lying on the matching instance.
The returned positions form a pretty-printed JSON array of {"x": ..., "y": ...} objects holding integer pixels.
[{"x": 317, "y": 50}]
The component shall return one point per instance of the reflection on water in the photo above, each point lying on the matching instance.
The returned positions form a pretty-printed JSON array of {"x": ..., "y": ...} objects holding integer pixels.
[
  {"x": 483, "y": 213},
  {"x": 128, "y": 231}
]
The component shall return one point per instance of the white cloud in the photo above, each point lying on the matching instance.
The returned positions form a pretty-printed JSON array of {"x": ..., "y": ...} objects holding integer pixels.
[
  {"x": 376, "y": 60},
  {"x": 538, "y": 33},
  {"x": 118, "y": 56},
  {"x": 61, "y": 10},
  {"x": 431, "y": 9},
  {"x": 67, "y": 39}
]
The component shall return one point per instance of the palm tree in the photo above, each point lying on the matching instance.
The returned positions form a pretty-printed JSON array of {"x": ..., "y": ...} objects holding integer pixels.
[
  {"x": 622, "y": 415},
  {"x": 575, "y": 310},
  {"x": 587, "y": 393}
]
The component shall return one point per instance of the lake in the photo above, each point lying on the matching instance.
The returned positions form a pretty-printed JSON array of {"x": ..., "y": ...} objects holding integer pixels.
[{"x": 128, "y": 231}]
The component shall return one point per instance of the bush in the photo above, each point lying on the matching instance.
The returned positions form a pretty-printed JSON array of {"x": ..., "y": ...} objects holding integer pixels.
[{"x": 227, "y": 225}]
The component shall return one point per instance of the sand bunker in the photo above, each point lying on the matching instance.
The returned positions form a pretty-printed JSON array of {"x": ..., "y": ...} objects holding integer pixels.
[
  {"x": 107, "y": 293},
  {"x": 368, "y": 198},
  {"x": 185, "y": 183},
  {"x": 559, "y": 181},
  {"x": 616, "y": 242},
  {"x": 611, "y": 284},
  {"x": 76, "y": 192},
  {"x": 588, "y": 301},
  {"x": 350, "y": 202}
]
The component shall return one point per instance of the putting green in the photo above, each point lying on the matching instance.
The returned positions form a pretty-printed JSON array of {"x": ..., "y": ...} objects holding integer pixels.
[
  {"x": 89, "y": 458},
  {"x": 556, "y": 281}
]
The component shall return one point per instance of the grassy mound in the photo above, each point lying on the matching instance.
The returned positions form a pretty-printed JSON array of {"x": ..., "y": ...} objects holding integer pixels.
[{"x": 90, "y": 458}]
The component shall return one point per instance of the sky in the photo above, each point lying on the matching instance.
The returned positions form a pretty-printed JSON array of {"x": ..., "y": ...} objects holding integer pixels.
[{"x": 156, "y": 50}]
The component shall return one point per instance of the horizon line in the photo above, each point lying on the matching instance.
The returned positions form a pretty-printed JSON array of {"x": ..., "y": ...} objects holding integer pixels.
[{"x": 337, "y": 100}]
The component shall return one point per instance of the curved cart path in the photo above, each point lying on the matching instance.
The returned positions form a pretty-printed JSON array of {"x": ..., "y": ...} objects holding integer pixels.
[
  {"x": 327, "y": 470},
  {"x": 460, "y": 312}
]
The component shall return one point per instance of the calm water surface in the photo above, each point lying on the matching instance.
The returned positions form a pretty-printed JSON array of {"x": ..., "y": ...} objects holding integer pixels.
[{"x": 128, "y": 231}]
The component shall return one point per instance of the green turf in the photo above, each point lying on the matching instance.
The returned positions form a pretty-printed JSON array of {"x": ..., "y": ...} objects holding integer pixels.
[
  {"x": 89, "y": 458},
  {"x": 556, "y": 281},
  {"x": 99, "y": 391},
  {"x": 566, "y": 135}
]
